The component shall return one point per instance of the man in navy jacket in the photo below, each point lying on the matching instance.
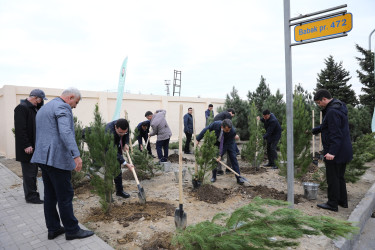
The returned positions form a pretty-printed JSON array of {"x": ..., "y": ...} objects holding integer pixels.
[
  {"x": 224, "y": 129},
  {"x": 337, "y": 147},
  {"x": 188, "y": 129},
  {"x": 272, "y": 136},
  {"x": 144, "y": 129}
]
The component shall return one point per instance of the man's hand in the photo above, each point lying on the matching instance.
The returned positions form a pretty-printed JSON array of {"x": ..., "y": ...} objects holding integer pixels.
[
  {"x": 197, "y": 143},
  {"x": 236, "y": 137},
  {"x": 129, "y": 166},
  {"x": 29, "y": 150},
  {"x": 218, "y": 159},
  {"x": 258, "y": 118},
  {"x": 78, "y": 162},
  {"x": 329, "y": 157},
  {"x": 126, "y": 147}
]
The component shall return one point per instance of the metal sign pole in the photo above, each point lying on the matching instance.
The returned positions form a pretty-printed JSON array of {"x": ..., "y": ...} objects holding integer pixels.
[{"x": 289, "y": 104}]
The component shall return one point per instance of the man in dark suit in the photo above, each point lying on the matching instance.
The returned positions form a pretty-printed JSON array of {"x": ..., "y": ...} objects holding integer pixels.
[
  {"x": 188, "y": 129},
  {"x": 57, "y": 154},
  {"x": 272, "y": 136},
  {"x": 24, "y": 126},
  {"x": 228, "y": 114},
  {"x": 337, "y": 147},
  {"x": 226, "y": 136},
  {"x": 144, "y": 130}
]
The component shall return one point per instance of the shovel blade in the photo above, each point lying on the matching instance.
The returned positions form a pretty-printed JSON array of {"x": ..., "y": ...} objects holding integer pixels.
[
  {"x": 141, "y": 195},
  {"x": 180, "y": 218}
]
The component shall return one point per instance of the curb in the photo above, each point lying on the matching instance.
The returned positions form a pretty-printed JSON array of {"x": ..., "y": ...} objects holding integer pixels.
[{"x": 360, "y": 215}]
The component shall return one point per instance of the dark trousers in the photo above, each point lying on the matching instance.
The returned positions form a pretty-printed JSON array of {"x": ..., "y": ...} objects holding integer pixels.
[
  {"x": 29, "y": 173},
  {"x": 163, "y": 144},
  {"x": 336, "y": 183},
  {"x": 231, "y": 153},
  {"x": 187, "y": 143},
  {"x": 58, "y": 190},
  {"x": 148, "y": 145},
  {"x": 271, "y": 152},
  {"x": 118, "y": 182}
]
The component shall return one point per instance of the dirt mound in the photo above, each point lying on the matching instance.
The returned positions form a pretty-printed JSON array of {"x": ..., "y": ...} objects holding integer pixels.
[
  {"x": 130, "y": 212},
  {"x": 160, "y": 240},
  {"x": 252, "y": 170},
  {"x": 308, "y": 177},
  {"x": 270, "y": 193},
  {"x": 128, "y": 175},
  {"x": 210, "y": 194},
  {"x": 174, "y": 158}
]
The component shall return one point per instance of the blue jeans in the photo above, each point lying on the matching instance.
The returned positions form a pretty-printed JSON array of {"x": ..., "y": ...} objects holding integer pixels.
[
  {"x": 58, "y": 190},
  {"x": 163, "y": 144}
]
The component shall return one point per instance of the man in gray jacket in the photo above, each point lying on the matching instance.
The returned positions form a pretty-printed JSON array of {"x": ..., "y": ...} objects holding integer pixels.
[
  {"x": 160, "y": 128},
  {"x": 57, "y": 154}
]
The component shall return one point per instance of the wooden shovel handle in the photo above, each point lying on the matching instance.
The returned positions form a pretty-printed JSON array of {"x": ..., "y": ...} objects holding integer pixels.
[
  {"x": 234, "y": 172},
  {"x": 133, "y": 170},
  {"x": 180, "y": 155}
]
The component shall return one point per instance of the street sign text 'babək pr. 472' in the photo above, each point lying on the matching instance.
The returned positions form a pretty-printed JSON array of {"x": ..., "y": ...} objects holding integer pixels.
[{"x": 325, "y": 27}]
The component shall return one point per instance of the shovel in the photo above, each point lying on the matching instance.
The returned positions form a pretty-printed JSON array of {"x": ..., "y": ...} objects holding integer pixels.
[
  {"x": 179, "y": 215},
  {"x": 195, "y": 144},
  {"x": 234, "y": 172},
  {"x": 141, "y": 192}
]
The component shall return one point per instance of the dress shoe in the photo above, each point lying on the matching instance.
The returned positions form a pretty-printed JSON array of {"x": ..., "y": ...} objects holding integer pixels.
[
  {"x": 213, "y": 179},
  {"x": 328, "y": 207},
  {"x": 240, "y": 181},
  {"x": 79, "y": 235},
  {"x": 123, "y": 194},
  {"x": 220, "y": 172},
  {"x": 36, "y": 201},
  {"x": 52, "y": 235},
  {"x": 275, "y": 167},
  {"x": 344, "y": 205}
]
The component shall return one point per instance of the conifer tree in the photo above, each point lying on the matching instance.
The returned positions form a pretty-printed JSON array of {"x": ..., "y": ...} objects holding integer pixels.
[
  {"x": 334, "y": 78},
  {"x": 359, "y": 121},
  {"x": 144, "y": 163},
  {"x": 366, "y": 77},
  {"x": 253, "y": 226},
  {"x": 103, "y": 155},
  {"x": 302, "y": 140},
  {"x": 210, "y": 119},
  {"x": 77, "y": 176},
  {"x": 276, "y": 104},
  {"x": 205, "y": 156},
  {"x": 253, "y": 150},
  {"x": 241, "y": 107},
  {"x": 261, "y": 93}
]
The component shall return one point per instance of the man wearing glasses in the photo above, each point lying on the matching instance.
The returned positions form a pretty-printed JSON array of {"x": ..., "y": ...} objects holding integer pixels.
[{"x": 120, "y": 128}]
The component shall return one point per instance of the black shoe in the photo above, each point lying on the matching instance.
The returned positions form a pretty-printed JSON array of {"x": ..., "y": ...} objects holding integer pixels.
[
  {"x": 52, "y": 235},
  {"x": 79, "y": 235},
  {"x": 36, "y": 201},
  {"x": 220, "y": 172},
  {"x": 123, "y": 194},
  {"x": 328, "y": 207},
  {"x": 344, "y": 205},
  {"x": 267, "y": 165},
  {"x": 275, "y": 167},
  {"x": 227, "y": 171},
  {"x": 213, "y": 179},
  {"x": 240, "y": 181}
]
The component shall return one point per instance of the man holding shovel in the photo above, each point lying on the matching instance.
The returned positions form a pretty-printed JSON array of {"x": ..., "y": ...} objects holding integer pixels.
[
  {"x": 226, "y": 136},
  {"x": 119, "y": 128}
]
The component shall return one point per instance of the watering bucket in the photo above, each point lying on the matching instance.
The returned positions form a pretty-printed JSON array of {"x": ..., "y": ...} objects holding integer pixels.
[{"x": 310, "y": 190}]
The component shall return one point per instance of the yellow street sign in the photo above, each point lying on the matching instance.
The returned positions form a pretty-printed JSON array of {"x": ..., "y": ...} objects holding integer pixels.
[{"x": 325, "y": 27}]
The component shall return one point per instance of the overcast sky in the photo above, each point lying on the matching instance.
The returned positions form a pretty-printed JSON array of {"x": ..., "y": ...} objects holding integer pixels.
[{"x": 215, "y": 44}]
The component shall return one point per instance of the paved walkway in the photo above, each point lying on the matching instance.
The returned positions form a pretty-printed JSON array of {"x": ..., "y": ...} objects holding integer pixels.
[{"x": 22, "y": 225}]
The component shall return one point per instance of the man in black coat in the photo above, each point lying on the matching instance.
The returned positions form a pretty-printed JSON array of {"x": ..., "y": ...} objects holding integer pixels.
[
  {"x": 226, "y": 136},
  {"x": 24, "y": 125},
  {"x": 228, "y": 114},
  {"x": 188, "y": 129},
  {"x": 144, "y": 129},
  {"x": 272, "y": 135},
  {"x": 119, "y": 128},
  {"x": 337, "y": 147}
]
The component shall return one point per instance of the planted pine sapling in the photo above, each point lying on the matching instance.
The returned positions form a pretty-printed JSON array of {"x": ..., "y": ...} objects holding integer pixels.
[
  {"x": 103, "y": 156},
  {"x": 144, "y": 163},
  {"x": 205, "y": 156},
  {"x": 254, "y": 227}
]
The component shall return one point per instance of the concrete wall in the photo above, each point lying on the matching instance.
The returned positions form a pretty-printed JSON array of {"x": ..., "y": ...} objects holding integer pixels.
[{"x": 134, "y": 105}]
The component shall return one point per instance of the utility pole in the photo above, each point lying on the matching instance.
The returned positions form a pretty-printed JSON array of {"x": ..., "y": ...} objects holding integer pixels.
[
  {"x": 167, "y": 83},
  {"x": 369, "y": 48}
]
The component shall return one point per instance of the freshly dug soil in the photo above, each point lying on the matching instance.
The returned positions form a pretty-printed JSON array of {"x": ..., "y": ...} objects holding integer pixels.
[
  {"x": 130, "y": 212},
  {"x": 174, "y": 158},
  {"x": 252, "y": 170},
  {"x": 270, "y": 193},
  {"x": 128, "y": 175},
  {"x": 160, "y": 240},
  {"x": 211, "y": 194}
]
